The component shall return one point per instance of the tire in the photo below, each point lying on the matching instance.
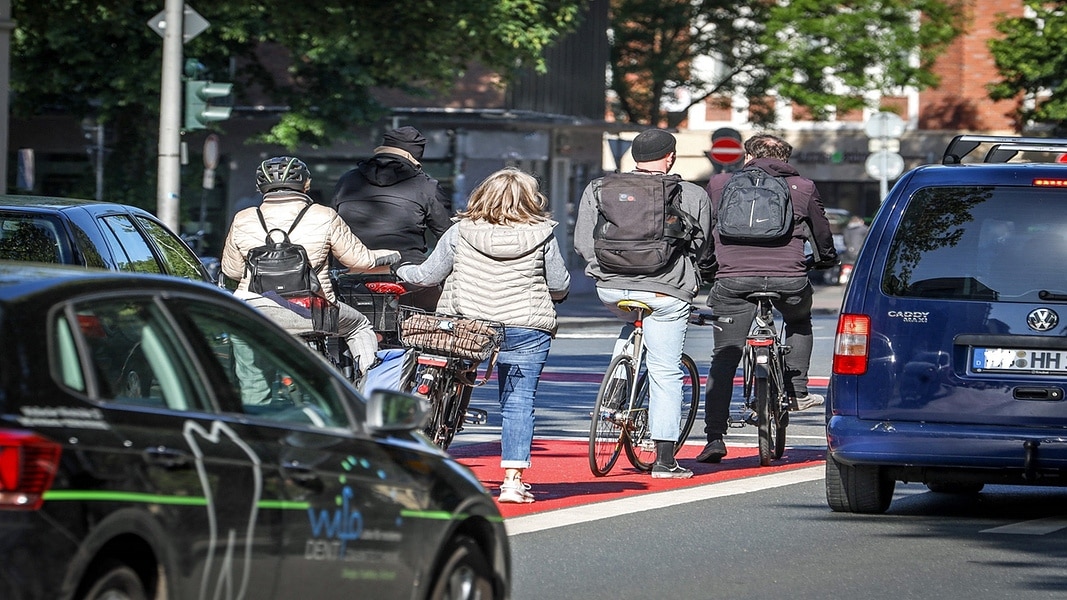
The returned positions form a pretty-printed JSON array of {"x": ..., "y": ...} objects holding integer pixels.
[
  {"x": 958, "y": 488},
  {"x": 766, "y": 424},
  {"x": 465, "y": 573},
  {"x": 605, "y": 429},
  {"x": 116, "y": 582},
  {"x": 435, "y": 427},
  {"x": 857, "y": 489},
  {"x": 455, "y": 409},
  {"x": 640, "y": 449}
]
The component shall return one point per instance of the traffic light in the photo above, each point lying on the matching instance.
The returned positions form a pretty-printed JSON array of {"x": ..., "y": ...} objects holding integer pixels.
[{"x": 199, "y": 111}]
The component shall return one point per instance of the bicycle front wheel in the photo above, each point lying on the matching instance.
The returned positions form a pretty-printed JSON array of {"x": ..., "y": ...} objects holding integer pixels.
[
  {"x": 641, "y": 449},
  {"x": 610, "y": 415}
]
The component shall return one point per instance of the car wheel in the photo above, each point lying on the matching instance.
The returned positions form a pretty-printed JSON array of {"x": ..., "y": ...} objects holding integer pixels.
[
  {"x": 116, "y": 582},
  {"x": 943, "y": 487},
  {"x": 465, "y": 573},
  {"x": 857, "y": 489}
]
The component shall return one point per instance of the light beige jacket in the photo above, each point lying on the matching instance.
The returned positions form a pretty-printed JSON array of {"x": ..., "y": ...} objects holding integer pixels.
[{"x": 321, "y": 231}]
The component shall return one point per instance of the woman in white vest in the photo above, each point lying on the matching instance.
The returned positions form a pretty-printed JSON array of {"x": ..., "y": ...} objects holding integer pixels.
[{"x": 501, "y": 262}]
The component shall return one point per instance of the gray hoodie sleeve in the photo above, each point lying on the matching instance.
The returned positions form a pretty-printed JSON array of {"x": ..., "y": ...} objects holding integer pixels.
[
  {"x": 437, "y": 265},
  {"x": 556, "y": 274}
]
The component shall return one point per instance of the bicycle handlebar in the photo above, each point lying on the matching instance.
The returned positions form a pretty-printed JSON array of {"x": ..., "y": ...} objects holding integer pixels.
[{"x": 702, "y": 317}]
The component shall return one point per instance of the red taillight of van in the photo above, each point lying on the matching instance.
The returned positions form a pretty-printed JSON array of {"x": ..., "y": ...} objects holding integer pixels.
[
  {"x": 852, "y": 344},
  {"x": 28, "y": 464}
]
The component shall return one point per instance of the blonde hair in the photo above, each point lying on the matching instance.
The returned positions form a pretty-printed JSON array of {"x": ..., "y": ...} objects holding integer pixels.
[{"x": 507, "y": 197}]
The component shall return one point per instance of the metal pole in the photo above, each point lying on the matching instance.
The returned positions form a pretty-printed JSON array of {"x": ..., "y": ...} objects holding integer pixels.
[
  {"x": 6, "y": 26},
  {"x": 883, "y": 187},
  {"x": 168, "y": 188},
  {"x": 99, "y": 131}
]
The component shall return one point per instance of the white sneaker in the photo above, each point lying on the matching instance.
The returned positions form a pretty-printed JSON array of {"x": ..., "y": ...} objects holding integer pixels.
[
  {"x": 514, "y": 491},
  {"x": 809, "y": 401}
]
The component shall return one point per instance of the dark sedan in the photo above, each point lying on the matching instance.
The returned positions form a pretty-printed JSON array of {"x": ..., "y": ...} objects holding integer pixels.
[
  {"x": 161, "y": 439},
  {"x": 104, "y": 235}
]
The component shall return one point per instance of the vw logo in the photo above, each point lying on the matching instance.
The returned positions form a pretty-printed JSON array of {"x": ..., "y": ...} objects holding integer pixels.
[{"x": 1042, "y": 319}]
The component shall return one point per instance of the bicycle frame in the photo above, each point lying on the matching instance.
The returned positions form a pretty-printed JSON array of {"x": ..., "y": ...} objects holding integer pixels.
[{"x": 763, "y": 367}]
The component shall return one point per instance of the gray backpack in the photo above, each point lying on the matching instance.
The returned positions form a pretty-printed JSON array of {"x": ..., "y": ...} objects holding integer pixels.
[
  {"x": 755, "y": 207},
  {"x": 641, "y": 227}
]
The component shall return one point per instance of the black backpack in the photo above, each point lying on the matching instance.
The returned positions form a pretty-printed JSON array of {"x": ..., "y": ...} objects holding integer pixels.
[
  {"x": 641, "y": 226},
  {"x": 755, "y": 207},
  {"x": 281, "y": 266}
]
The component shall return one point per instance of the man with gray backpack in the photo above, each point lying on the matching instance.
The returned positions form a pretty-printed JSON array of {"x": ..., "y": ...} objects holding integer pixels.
[
  {"x": 640, "y": 233},
  {"x": 763, "y": 214},
  {"x": 264, "y": 245}
]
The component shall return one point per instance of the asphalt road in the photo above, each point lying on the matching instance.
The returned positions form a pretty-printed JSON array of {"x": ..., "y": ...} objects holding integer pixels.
[{"x": 769, "y": 535}]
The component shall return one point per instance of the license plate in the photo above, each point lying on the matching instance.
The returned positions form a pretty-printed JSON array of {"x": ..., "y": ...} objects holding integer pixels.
[{"x": 1014, "y": 360}]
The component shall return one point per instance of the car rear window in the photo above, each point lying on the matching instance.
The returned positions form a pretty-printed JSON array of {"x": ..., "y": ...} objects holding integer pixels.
[
  {"x": 29, "y": 238},
  {"x": 980, "y": 243}
]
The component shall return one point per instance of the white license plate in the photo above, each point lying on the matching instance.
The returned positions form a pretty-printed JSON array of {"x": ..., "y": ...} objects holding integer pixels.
[{"x": 1019, "y": 361}]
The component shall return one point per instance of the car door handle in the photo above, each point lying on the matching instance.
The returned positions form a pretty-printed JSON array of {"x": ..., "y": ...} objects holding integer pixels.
[
  {"x": 302, "y": 475},
  {"x": 168, "y": 458}
]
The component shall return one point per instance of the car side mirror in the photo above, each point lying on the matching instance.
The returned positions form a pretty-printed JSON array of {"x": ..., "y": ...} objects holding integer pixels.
[{"x": 392, "y": 411}]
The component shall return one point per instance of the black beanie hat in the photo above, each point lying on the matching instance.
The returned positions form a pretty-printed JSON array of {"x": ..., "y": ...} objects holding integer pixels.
[
  {"x": 652, "y": 144},
  {"x": 406, "y": 138}
]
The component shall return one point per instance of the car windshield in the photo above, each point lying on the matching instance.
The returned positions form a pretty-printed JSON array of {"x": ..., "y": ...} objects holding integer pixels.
[
  {"x": 981, "y": 243},
  {"x": 29, "y": 238}
]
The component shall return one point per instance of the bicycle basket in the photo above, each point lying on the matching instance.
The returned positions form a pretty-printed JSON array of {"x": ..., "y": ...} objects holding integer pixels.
[
  {"x": 380, "y": 309},
  {"x": 449, "y": 335}
]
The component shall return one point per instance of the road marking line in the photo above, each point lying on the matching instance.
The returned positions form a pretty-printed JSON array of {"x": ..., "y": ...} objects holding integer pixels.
[
  {"x": 594, "y": 512},
  {"x": 1034, "y": 527}
]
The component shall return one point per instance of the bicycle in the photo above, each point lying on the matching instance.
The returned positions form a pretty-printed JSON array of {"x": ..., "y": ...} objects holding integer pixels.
[
  {"x": 764, "y": 385},
  {"x": 323, "y": 337},
  {"x": 378, "y": 296},
  {"x": 619, "y": 420},
  {"x": 449, "y": 351}
]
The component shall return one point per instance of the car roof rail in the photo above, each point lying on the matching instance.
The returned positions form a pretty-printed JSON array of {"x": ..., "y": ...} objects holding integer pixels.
[{"x": 1003, "y": 148}]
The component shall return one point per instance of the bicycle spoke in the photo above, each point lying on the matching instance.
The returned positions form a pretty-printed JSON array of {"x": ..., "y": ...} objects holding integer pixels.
[{"x": 609, "y": 416}]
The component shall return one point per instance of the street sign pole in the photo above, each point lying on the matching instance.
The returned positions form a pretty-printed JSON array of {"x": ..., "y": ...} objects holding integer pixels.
[{"x": 169, "y": 169}]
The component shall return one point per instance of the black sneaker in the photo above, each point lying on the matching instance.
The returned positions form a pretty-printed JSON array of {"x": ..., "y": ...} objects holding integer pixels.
[
  {"x": 713, "y": 452},
  {"x": 675, "y": 471}
]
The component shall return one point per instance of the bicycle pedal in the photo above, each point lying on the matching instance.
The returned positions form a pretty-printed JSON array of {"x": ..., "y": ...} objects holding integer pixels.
[
  {"x": 647, "y": 446},
  {"x": 476, "y": 416}
]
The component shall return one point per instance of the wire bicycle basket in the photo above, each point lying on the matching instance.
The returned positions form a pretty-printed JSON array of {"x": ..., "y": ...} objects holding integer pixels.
[{"x": 449, "y": 335}]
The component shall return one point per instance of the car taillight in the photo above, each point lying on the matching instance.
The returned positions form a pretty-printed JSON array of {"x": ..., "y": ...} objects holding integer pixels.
[
  {"x": 851, "y": 345},
  {"x": 28, "y": 464},
  {"x": 1046, "y": 182}
]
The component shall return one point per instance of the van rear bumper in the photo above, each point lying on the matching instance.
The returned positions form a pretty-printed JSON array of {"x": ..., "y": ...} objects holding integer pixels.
[{"x": 854, "y": 441}]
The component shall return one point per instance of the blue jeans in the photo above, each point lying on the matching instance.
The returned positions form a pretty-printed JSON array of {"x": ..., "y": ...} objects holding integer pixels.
[
  {"x": 518, "y": 368},
  {"x": 665, "y": 332}
]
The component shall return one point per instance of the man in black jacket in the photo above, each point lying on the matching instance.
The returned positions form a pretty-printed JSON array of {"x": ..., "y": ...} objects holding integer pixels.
[
  {"x": 780, "y": 267},
  {"x": 389, "y": 202}
]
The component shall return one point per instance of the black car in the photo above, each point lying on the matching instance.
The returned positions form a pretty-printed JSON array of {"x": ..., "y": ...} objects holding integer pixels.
[
  {"x": 103, "y": 235},
  {"x": 161, "y": 439}
]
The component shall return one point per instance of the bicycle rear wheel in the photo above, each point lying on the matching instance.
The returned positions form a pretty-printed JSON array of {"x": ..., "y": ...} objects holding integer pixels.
[
  {"x": 609, "y": 415},
  {"x": 772, "y": 418},
  {"x": 640, "y": 448}
]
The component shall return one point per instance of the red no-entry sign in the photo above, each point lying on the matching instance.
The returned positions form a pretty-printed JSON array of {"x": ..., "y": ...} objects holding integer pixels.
[{"x": 726, "y": 151}]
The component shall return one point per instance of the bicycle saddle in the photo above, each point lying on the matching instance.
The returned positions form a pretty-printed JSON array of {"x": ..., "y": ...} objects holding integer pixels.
[
  {"x": 633, "y": 305},
  {"x": 758, "y": 295}
]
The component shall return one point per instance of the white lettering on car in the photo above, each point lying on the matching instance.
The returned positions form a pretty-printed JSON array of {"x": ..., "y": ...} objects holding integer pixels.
[{"x": 909, "y": 316}]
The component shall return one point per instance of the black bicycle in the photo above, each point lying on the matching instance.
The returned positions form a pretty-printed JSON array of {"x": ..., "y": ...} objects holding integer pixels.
[
  {"x": 450, "y": 349},
  {"x": 764, "y": 386}
]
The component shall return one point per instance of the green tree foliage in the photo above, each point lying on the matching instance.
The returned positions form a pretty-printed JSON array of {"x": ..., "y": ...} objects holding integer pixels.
[
  {"x": 819, "y": 54},
  {"x": 1031, "y": 59},
  {"x": 319, "y": 61}
]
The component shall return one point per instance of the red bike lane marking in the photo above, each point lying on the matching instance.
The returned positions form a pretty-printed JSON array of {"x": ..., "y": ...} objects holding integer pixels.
[{"x": 560, "y": 475}]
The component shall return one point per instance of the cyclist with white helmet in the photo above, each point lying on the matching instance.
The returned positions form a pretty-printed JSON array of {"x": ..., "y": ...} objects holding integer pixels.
[{"x": 284, "y": 182}]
